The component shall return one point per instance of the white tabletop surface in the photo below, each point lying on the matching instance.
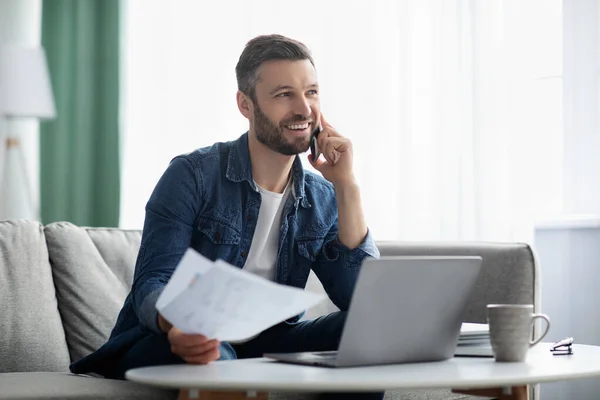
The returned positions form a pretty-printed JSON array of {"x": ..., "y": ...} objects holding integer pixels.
[{"x": 261, "y": 374}]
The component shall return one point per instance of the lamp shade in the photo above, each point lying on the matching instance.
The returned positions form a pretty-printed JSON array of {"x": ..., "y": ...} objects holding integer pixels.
[{"x": 25, "y": 89}]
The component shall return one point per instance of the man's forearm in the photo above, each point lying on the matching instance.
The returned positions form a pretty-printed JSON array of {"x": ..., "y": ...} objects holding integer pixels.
[
  {"x": 146, "y": 309},
  {"x": 352, "y": 228}
]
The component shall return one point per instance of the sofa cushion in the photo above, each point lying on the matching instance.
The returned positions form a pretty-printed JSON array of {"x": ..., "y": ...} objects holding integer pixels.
[
  {"x": 48, "y": 385},
  {"x": 93, "y": 273},
  {"x": 31, "y": 333}
]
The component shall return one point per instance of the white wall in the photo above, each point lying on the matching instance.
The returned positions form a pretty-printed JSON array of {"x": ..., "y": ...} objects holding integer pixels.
[
  {"x": 20, "y": 24},
  {"x": 569, "y": 257},
  {"x": 581, "y": 106}
]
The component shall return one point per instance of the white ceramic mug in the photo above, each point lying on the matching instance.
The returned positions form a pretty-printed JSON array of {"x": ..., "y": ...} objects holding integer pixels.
[{"x": 511, "y": 330}]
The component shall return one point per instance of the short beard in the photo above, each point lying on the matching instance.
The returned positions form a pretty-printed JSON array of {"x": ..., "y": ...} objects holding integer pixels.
[{"x": 271, "y": 135}]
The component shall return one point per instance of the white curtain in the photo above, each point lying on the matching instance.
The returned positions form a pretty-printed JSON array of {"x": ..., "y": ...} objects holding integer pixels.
[
  {"x": 453, "y": 106},
  {"x": 20, "y": 24}
]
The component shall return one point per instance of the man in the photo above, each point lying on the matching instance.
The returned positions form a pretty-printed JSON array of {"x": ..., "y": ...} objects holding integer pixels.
[{"x": 250, "y": 203}]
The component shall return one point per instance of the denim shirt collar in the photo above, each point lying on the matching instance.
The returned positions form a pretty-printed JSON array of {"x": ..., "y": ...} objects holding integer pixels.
[{"x": 239, "y": 168}]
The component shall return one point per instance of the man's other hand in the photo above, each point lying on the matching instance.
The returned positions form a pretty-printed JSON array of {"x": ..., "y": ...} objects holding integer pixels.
[{"x": 193, "y": 349}]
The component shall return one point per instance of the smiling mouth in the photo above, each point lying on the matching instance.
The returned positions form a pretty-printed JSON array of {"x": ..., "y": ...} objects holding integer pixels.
[{"x": 297, "y": 127}]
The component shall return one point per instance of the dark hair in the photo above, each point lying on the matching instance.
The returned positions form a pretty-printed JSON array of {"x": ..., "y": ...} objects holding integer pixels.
[{"x": 265, "y": 48}]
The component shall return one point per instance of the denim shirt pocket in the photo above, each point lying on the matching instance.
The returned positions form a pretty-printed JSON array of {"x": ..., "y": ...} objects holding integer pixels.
[
  {"x": 310, "y": 247},
  {"x": 218, "y": 239},
  {"x": 219, "y": 233}
]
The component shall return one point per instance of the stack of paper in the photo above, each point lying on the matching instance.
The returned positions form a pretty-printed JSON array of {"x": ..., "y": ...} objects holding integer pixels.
[
  {"x": 474, "y": 334},
  {"x": 221, "y": 301},
  {"x": 474, "y": 340}
]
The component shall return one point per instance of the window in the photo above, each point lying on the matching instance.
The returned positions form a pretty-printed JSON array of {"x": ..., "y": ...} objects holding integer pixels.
[{"x": 454, "y": 106}]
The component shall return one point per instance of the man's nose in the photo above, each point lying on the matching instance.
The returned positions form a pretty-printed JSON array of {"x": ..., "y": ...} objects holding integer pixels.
[{"x": 302, "y": 106}]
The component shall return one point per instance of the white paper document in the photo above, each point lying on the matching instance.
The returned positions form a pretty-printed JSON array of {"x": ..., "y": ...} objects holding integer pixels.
[{"x": 221, "y": 301}]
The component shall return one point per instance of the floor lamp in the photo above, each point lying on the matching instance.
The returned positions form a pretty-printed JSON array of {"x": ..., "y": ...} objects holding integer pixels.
[{"x": 25, "y": 92}]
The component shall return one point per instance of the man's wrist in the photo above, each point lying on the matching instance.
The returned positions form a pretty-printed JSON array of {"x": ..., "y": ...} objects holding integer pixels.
[
  {"x": 345, "y": 186},
  {"x": 163, "y": 324},
  {"x": 351, "y": 225}
]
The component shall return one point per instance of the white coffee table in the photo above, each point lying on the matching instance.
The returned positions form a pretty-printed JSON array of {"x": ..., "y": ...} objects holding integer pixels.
[{"x": 253, "y": 378}]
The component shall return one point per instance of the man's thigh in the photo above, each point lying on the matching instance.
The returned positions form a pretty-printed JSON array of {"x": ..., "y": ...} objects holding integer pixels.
[
  {"x": 317, "y": 334},
  {"x": 156, "y": 350}
]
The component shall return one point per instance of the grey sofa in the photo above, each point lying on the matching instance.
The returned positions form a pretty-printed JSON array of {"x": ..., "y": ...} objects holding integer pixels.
[{"x": 62, "y": 286}]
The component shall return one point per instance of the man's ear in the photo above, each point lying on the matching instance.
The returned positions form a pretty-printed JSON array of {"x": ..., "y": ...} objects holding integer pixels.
[{"x": 244, "y": 104}]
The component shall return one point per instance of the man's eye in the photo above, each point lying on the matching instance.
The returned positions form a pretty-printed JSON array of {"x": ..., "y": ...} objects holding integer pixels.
[
  {"x": 284, "y": 94},
  {"x": 313, "y": 92}
]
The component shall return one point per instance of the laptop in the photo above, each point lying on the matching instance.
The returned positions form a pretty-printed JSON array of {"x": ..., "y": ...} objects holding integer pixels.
[{"x": 404, "y": 309}]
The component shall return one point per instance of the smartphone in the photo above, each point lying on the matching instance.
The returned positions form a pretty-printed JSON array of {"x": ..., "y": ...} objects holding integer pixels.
[{"x": 314, "y": 146}]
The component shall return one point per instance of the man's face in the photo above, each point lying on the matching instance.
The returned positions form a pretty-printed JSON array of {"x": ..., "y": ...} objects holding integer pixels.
[{"x": 286, "y": 109}]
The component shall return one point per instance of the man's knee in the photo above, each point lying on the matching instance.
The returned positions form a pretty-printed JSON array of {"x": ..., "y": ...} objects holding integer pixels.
[
  {"x": 334, "y": 321},
  {"x": 149, "y": 351}
]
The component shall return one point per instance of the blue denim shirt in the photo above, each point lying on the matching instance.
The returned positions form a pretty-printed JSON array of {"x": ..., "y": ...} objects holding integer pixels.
[{"x": 208, "y": 200}]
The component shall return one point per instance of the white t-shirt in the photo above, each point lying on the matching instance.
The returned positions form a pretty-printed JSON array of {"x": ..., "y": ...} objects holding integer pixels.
[{"x": 262, "y": 256}]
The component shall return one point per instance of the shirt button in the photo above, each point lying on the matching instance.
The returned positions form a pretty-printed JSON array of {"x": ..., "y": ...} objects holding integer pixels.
[
  {"x": 217, "y": 235},
  {"x": 244, "y": 254},
  {"x": 249, "y": 218}
]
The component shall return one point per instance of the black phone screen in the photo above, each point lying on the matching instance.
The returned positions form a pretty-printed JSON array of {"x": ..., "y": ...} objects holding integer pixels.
[{"x": 314, "y": 146}]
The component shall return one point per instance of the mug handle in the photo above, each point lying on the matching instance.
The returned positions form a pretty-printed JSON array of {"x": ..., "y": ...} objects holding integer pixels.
[{"x": 547, "y": 319}]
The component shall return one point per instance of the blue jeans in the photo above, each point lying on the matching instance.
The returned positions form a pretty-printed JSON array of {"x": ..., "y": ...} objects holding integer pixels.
[{"x": 319, "y": 334}]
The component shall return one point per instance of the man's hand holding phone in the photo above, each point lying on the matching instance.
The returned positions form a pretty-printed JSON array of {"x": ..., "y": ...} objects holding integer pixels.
[
  {"x": 193, "y": 349},
  {"x": 337, "y": 153},
  {"x": 337, "y": 169}
]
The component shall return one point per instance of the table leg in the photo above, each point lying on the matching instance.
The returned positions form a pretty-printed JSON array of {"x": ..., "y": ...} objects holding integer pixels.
[
  {"x": 191, "y": 394},
  {"x": 513, "y": 393}
]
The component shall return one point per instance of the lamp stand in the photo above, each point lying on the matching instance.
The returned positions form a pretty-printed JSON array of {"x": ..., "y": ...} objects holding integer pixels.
[{"x": 16, "y": 201}]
